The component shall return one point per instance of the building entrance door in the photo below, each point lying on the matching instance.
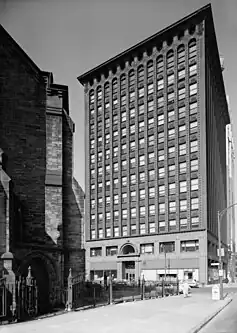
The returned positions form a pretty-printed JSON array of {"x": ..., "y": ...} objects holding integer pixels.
[{"x": 129, "y": 270}]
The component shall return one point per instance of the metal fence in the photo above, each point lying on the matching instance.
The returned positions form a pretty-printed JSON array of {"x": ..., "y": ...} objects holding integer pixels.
[
  {"x": 81, "y": 293},
  {"x": 18, "y": 298}
]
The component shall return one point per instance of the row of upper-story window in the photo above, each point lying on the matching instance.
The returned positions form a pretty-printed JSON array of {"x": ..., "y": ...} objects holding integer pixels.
[
  {"x": 182, "y": 187},
  {"x": 134, "y": 212},
  {"x": 160, "y": 62},
  {"x": 180, "y": 95},
  {"x": 141, "y": 160},
  {"x": 149, "y": 121},
  {"x": 152, "y": 175},
  {"x": 144, "y": 229},
  {"x": 149, "y": 248}
]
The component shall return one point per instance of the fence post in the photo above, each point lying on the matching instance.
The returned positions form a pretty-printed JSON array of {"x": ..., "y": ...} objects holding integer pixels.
[
  {"x": 163, "y": 288},
  {"x": 69, "y": 291},
  {"x": 143, "y": 287},
  {"x": 110, "y": 290},
  {"x": 177, "y": 285},
  {"x": 94, "y": 299}
]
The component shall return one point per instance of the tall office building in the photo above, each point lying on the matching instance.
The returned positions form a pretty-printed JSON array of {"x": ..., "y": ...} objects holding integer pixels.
[{"x": 155, "y": 118}]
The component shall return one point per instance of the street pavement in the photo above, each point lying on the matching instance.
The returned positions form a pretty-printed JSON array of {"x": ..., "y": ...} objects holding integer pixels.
[
  {"x": 225, "y": 321},
  {"x": 171, "y": 314}
]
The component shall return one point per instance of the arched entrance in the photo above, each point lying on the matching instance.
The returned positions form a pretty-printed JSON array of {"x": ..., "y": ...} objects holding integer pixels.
[
  {"x": 39, "y": 271},
  {"x": 128, "y": 253}
]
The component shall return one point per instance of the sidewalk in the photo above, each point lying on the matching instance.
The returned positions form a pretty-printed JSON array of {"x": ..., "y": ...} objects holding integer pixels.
[{"x": 168, "y": 315}]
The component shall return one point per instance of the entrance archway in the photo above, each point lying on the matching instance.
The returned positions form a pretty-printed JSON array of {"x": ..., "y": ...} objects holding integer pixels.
[{"x": 43, "y": 274}]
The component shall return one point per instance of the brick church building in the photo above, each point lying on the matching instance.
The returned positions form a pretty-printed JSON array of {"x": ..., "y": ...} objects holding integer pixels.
[{"x": 41, "y": 203}]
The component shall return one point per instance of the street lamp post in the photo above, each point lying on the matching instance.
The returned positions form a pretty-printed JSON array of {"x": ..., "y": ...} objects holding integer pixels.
[{"x": 219, "y": 218}]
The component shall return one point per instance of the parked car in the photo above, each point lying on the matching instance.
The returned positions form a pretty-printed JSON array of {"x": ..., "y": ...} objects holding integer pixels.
[{"x": 193, "y": 283}]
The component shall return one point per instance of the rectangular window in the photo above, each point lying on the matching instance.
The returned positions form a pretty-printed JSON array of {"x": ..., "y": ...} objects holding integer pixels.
[
  {"x": 171, "y": 152},
  {"x": 132, "y": 113},
  {"x": 150, "y": 106},
  {"x": 182, "y": 149},
  {"x": 116, "y": 214},
  {"x": 131, "y": 97},
  {"x": 182, "y": 167},
  {"x": 124, "y": 230},
  {"x": 116, "y": 199},
  {"x": 124, "y": 181},
  {"x": 96, "y": 252},
  {"x": 151, "y": 192},
  {"x": 160, "y": 102},
  {"x": 151, "y": 140},
  {"x": 161, "y": 136},
  {"x": 161, "y": 208},
  {"x": 183, "y": 224},
  {"x": 141, "y": 109},
  {"x": 133, "y": 212},
  {"x": 133, "y": 229},
  {"x": 182, "y": 130},
  {"x": 162, "y": 226},
  {"x": 141, "y": 126},
  {"x": 123, "y": 116},
  {"x": 124, "y": 197},
  {"x": 160, "y": 119},
  {"x": 151, "y": 175},
  {"x": 192, "y": 69},
  {"x": 171, "y": 116},
  {"x": 170, "y": 79},
  {"x": 172, "y": 224},
  {"x": 151, "y": 157},
  {"x": 150, "y": 88},
  {"x": 108, "y": 232},
  {"x": 172, "y": 207},
  {"x": 194, "y": 184},
  {"x": 133, "y": 162},
  {"x": 150, "y": 123},
  {"x": 142, "y": 177},
  {"x": 133, "y": 195},
  {"x": 141, "y": 160},
  {"x": 171, "y": 134},
  {"x": 171, "y": 170},
  {"x": 93, "y": 234},
  {"x": 123, "y": 100},
  {"x": 160, "y": 84},
  {"x": 181, "y": 93},
  {"x": 115, "y": 151},
  {"x": 170, "y": 98},
  {"x": 193, "y": 89},
  {"x": 193, "y": 127},
  {"x": 194, "y": 165},
  {"x": 194, "y": 203},
  {"x": 111, "y": 250},
  {"x": 172, "y": 188},
  {"x": 183, "y": 205},
  {"x": 193, "y": 108},
  {"x": 140, "y": 92},
  {"x": 161, "y": 155},
  {"x": 142, "y": 211},
  {"x": 133, "y": 179},
  {"x": 161, "y": 190},
  {"x": 152, "y": 228},
  {"x": 124, "y": 214},
  {"x": 147, "y": 248},
  {"x": 101, "y": 233},
  {"x": 194, "y": 222},
  {"x": 152, "y": 210},
  {"x": 124, "y": 165},
  {"x": 183, "y": 186},
  {"x": 161, "y": 172},
  {"x": 193, "y": 146},
  {"x": 181, "y": 112},
  {"x": 181, "y": 74},
  {"x": 116, "y": 231},
  {"x": 141, "y": 143},
  {"x": 167, "y": 247},
  {"x": 132, "y": 129},
  {"x": 189, "y": 246},
  {"x": 107, "y": 216},
  {"x": 142, "y": 194},
  {"x": 142, "y": 229}
]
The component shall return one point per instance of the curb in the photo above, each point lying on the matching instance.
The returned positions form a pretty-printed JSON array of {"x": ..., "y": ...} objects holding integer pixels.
[{"x": 209, "y": 318}]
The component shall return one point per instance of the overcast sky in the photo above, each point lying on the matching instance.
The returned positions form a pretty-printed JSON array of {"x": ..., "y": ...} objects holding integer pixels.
[{"x": 69, "y": 37}]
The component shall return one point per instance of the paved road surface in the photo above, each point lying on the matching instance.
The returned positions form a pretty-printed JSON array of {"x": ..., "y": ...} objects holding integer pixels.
[{"x": 225, "y": 321}]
